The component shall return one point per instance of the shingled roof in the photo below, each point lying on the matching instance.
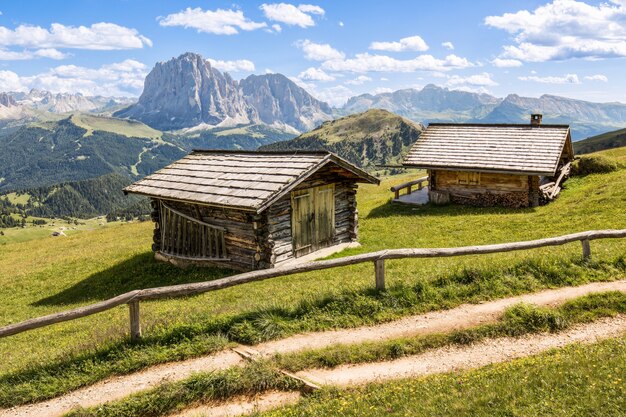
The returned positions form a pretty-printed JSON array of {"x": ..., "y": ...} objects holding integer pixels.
[
  {"x": 238, "y": 179},
  {"x": 510, "y": 148}
]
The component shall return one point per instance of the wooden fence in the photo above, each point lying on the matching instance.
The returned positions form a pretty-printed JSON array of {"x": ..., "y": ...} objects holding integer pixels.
[{"x": 133, "y": 298}]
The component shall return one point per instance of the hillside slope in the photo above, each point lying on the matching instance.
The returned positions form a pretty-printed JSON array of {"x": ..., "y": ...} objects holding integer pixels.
[
  {"x": 609, "y": 140},
  {"x": 374, "y": 137},
  {"x": 55, "y": 152}
]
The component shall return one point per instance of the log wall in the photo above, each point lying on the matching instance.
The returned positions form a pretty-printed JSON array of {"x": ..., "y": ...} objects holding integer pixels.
[
  {"x": 346, "y": 215},
  {"x": 491, "y": 189},
  {"x": 259, "y": 241}
]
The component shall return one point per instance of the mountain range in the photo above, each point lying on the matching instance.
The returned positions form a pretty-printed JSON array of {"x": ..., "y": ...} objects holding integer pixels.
[{"x": 187, "y": 92}]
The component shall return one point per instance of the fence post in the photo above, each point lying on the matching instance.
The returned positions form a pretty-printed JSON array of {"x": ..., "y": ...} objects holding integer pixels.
[
  {"x": 135, "y": 325},
  {"x": 586, "y": 249},
  {"x": 379, "y": 268}
]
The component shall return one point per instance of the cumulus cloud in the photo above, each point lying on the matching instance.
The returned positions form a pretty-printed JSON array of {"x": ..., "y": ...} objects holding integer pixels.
[
  {"x": 412, "y": 43},
  {"x": 506, "y": 63},
  {"x": 315, "y": 74},
  {"x": 99, "y": 36},
  {"x": 118, "y": 79},
  {"x": 480, "y": 80},
  {"x": 232, "y": 66},
  {"x": 597, "y": 77},
  {"x": 382, "y": 90},
  {"x": 218, "y": 22},
  {"x": 8, "y": 55},
  {"x": 359, "y": 80},
  {"x": 319, "y": 51},
  {"x": 448, "y": 45},
  {"x": 565, "y": 29},
  {"x": 566, "y": 79},
  {"x": 381, "y": 63},
  {"x": 290, "y": 14},
  {"x": 335, "y": 96}
]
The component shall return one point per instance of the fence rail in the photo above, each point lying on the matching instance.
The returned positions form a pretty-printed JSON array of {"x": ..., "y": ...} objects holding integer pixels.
[
  {"x": 409, "y": 186},
  {"x": 133, "y": 298}
]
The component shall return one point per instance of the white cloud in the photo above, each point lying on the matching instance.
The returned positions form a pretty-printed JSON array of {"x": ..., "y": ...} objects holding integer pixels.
[
  {"x": 340, "y": 23},
  {"x": 10, "y": 81},
  {"x": 7, "y": 55},
  {"x": 319, "y": 51},
  {"x": 315, "y": 74},
  {"x": 448, "y": 45},
  {"x": 232, "y": 66},
  {"x": 566, "y": 79},
  {"x": 99, "y": 36},
  {"x": 381, "y": 63},
  {"x": 597, "y": 77},
  {"x": 335, "y": 96},
  {"x": 481, "y": 80},
  {"x": 118, "y": 79},
  {"x": 506, "y": 63},
  {"x": 565, "y": 29},
  {"x": 218, "y": 22},
  {"x": 382, "y": 90},
  {"x": 292, "y": 15},
  {"x": 277, "y": 28},
  {"x": 412, "y": 43},
  {"x": 359, "y": 80}
]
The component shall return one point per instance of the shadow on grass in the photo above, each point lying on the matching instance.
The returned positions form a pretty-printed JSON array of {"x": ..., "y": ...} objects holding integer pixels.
[
  {"x": 398, "y": 209},
  {"x": 138, "y": 272},
  {"x": 350, "y": 308}
]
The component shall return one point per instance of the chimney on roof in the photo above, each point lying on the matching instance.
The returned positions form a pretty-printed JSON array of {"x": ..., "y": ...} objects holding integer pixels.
[{"x": 535, "y": 119}]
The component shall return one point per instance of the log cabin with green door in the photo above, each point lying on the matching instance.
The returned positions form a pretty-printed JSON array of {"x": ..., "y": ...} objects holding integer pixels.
[{"x": 251, "y": 210}]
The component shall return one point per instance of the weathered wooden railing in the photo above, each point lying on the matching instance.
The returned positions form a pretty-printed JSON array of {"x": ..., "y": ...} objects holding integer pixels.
[
  {"x": 409, "y": 186},
  {"x": 133, "y": 298},
  {"x": 183, "y": 236}
]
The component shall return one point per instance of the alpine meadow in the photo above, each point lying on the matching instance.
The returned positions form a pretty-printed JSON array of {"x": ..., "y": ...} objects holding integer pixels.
[{"x": 283, "y": 209}]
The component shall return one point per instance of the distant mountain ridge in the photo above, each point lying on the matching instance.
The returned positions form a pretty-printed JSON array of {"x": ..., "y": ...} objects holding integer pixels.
[
  {"x": 187, "y": 92},
  {"x": 437, "y": 104}
]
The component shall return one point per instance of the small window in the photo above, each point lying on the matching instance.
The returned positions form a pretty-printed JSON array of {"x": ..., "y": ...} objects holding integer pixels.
[{"x": 468, "y": 178}]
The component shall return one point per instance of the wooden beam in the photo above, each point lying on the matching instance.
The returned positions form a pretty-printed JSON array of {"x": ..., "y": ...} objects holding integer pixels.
[
  {"x": 379, "y": 268},
  {"x": 135, "y": 324},
  {"x": 586, "y": 249},
  {"x": 201, "y": 287}
]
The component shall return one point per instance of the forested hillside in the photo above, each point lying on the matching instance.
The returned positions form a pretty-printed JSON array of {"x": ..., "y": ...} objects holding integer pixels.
[
  {"x": 375, "y": 137},
  {"x": 81, "y": 199}
]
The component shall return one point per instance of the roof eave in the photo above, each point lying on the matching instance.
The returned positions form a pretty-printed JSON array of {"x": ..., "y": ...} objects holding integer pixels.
[{"x": 486, "y": 170}]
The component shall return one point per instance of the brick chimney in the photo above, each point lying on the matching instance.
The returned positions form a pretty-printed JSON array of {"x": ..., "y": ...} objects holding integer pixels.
[{"x": 535, "y": 119}]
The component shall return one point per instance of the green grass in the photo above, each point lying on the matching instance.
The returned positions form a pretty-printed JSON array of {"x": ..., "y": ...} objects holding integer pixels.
[
  {"x": 43, "y": 232},
  {"x": 579, "y": 380},
  {"x": 518, "y": 320},
  {"x": 262, "y": 376},
  {"x": 14, "y": 198},
  {"x": 127, "y": 128},
  {"x": 200, "y": 388},
  {"x": 40, "y": 277}
]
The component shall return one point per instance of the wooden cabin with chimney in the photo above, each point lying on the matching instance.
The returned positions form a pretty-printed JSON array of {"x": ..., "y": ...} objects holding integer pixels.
[
  {"x": 251, "y": 210},
  {"x": 512, "y": 165}
]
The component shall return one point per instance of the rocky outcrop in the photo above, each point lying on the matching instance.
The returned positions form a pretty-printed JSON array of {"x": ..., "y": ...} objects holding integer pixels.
[
  {"x": 281, "y": 103},
  {"x": 186, "y": 92}
]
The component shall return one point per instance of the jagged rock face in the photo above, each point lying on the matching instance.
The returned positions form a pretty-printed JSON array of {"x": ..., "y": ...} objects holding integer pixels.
[
  {"x": 186, "y": 92},
  {"x": 65, "y": 102},
  {"x": 279, "y": 101},
  {"x": 6, "y": 100}
]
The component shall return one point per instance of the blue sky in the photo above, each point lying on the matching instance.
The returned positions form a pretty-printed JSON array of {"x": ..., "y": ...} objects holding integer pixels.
[{"x": 335, "y": 49}]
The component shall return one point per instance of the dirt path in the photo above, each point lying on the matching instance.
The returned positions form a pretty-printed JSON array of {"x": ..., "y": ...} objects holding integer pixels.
[
  {"x": 464, "y": 316},
  {"x": 432, "y": 362}
]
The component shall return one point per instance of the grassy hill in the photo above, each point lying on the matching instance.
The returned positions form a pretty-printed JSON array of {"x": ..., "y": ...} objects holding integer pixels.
[
  {"x": 45, "y": 275},
  {"x": 124, "y": 127},
  {"x": 609, "y": 140},
  {"x": 374, "y": 137}
]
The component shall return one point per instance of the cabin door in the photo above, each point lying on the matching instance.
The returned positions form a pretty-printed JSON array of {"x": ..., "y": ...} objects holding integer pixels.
[{"x": 312, "y": 218}]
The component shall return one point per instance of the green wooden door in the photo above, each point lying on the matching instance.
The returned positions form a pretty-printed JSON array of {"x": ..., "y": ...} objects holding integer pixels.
[{"x": 312, "y": 218}]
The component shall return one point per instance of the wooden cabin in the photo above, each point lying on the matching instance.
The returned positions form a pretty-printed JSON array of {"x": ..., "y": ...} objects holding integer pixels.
[
  {"x": 251, "y": 210},
  {"x": 513, "y": 165}
]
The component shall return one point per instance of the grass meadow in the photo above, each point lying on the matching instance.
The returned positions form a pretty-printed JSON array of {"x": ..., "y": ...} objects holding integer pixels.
[{"x": 47, "y": 275}]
